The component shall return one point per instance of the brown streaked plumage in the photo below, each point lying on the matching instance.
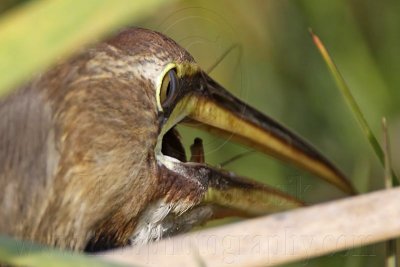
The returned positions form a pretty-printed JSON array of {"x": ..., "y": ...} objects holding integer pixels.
[{"x": 90, "y": 159}]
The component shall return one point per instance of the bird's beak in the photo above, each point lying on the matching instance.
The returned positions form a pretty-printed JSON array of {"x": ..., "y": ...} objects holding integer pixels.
[{"x": 218, "y": 111}]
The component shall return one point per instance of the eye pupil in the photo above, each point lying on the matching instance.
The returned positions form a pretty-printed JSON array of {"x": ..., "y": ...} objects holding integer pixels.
[{"x": 169, "y": 89}]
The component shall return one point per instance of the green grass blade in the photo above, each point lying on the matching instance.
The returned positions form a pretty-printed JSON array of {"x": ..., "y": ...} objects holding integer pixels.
[
  {"x": 39, "y": 32},
  {"x": 344, "y": 89},
  {"x": 22, "y": 253},
  {"x": 390, "y": 245}
]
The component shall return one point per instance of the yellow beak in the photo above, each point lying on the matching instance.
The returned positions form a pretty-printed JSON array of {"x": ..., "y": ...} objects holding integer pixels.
[
  {"x": 207, "y": 105},
  {"x": 221, "y": 113}
]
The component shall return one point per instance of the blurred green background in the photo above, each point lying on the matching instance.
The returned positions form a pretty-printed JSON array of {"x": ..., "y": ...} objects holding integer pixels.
[{"x": 279, "y": 71}]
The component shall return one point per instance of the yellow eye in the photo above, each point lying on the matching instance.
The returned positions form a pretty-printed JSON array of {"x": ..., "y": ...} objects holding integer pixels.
[{"x": 169, "y": 89}]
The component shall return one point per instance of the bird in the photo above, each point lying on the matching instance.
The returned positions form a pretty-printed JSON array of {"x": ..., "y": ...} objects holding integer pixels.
[{"x": 91, "y": 159}]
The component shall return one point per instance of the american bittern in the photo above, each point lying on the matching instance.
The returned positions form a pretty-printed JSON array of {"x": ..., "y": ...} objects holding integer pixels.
[{"x": 90, "y": 158}]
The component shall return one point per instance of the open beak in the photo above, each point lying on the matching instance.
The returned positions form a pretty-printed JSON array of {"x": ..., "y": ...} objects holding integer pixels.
[
  {"x": 207, "y": 105},
  {"x": 219, "y": 112}
]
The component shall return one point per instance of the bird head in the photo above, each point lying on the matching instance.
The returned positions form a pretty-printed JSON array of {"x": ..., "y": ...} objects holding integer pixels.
[{"x": 182, "y": 93}]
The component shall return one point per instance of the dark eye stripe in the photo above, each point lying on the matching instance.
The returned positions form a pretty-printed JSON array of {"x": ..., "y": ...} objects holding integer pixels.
[{"x": 172, "y": 89}]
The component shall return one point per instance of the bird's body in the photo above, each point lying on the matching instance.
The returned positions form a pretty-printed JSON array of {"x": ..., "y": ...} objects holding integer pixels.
[
  {"x": 80, "y": 158},
  {"x": 84, "y": 105}
]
